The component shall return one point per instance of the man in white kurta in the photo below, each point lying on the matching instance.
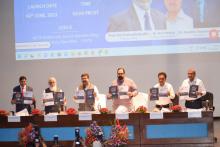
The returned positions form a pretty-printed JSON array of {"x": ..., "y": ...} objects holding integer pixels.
[
  {"x": 166, "y": 92},
  {"x": 192, "y": 103}
]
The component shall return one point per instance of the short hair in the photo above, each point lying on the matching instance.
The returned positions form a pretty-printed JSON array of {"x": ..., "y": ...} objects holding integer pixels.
[
  {"x": 22, "y": 78},
  {"x": 85, "y": 75},
  {"x": 162, "y": 73},
  {"x": 121, "y": 68}
]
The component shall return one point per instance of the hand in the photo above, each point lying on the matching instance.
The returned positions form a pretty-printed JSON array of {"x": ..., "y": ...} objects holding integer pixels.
[
  {"x": 198, "y": 93},
  {"x": 109, "y": 96},
  {"x": 168, "y": 93},
  {"x": 130, "y": 94},
  {"x": 156, "y": 110},
  {"x": 149, "y": 95},
  {"x": 33, "y": 100},
  {"x": 74, "y": 97},
  {"x": 65, "y": 101},
  {"x": 13, "y": 101}
]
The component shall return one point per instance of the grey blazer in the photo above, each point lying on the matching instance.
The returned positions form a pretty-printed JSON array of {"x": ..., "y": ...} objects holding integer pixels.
[{"x": 128, "y": 21}]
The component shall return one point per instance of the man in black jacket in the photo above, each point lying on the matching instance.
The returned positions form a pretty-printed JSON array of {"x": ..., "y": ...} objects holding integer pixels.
[{"x": 22, "y": 88}]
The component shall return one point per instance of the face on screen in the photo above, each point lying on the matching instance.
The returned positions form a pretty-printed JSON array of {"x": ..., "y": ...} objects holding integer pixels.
[{"x": 173, "y": 5}]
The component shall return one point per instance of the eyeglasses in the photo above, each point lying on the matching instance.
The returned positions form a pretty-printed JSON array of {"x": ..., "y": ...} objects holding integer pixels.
[{"x": 51, "y": 82}]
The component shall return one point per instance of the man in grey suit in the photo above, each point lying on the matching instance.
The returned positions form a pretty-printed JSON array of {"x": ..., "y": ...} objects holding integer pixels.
[
  {"x": 138, "y": 17},
  {"x": 21, "y": 88}
]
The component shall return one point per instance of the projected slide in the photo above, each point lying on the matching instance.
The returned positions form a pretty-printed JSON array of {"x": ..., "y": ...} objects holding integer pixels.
[{"x": 55, "y": 29}]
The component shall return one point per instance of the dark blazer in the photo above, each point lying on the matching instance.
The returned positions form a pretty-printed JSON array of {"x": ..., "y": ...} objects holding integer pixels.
[{"x": 20, "y": 107}]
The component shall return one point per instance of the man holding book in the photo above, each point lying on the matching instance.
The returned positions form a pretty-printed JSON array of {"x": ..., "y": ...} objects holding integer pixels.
[
  {"x": 162, "y": 92},
  {"x": 192, "y": 89},
  {"x": 86, "y": 94},
  {"x": 122, "y": 90}
]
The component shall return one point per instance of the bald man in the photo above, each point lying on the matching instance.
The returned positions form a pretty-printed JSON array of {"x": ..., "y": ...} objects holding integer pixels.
[{"x": 194, "y": 103}]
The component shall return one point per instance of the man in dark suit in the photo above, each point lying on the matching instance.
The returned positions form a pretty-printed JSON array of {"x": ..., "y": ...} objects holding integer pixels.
[
  {"x": 138, "y": 17},
  {"x": 22, "y": 88}
]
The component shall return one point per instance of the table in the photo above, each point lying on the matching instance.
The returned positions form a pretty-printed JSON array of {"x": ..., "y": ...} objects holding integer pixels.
[{"x": 175, "y": 129}]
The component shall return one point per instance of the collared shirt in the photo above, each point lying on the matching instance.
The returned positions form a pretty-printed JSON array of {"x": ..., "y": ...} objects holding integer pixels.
[
  {"x": 24, "y": 89},
  {"x": 186, "y": 84},
  {"x": 182, "y": 22},
  {"x": 167, "y": 87},
  {"x": 141, "y": 17},
  {"x": 132, "y": 87}
]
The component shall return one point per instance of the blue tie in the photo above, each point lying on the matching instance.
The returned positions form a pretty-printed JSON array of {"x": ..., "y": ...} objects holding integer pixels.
[{"x": 147, "y": 22}]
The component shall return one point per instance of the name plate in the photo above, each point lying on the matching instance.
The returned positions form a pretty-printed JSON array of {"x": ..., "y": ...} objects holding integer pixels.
[
  {"x": 49, "y": 118},
  {"x": 85, "y": 116},
  {"x": 195, "y": 114},
  {"x": 122, "y": 115},
  {"x": 156, "y": 115},
  {"x": 14, "y": 119}
]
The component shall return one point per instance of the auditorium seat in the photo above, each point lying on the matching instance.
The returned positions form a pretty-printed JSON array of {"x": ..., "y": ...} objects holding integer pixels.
[{"x": 209, "y": 96}]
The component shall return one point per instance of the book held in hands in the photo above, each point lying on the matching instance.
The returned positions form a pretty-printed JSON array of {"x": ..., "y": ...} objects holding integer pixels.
[
  {"x": 154, "y": 94},
  {"x": 192, "y": 91},
  {"x": 113, "y": 90}
]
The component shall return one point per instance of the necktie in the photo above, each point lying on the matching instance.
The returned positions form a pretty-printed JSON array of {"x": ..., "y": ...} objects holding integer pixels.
[
  {"x": 22, "y": 92},
  {"x": 147, "y": 25}
]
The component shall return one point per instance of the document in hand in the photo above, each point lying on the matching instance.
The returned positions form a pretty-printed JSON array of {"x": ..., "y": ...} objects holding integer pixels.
[
  {"x": 192, "y": 91},
  {"x": 154, "y": 94},
  {"x": 113, "y": 90}
]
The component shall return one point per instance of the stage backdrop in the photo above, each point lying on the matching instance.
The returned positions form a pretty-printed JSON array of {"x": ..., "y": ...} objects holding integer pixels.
[{"x": 172, "y": 55}]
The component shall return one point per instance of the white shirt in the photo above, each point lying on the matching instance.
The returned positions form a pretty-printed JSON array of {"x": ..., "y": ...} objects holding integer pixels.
[
  {"x": 182, "y": 22},
  {"x": 140, "y": 14},
  {"x": 168, "y": 88},
  {"x": 186, "y": 84}
]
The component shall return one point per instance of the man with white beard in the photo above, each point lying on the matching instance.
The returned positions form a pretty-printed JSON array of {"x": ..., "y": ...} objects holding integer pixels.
[{"x": 52, "y": 82}]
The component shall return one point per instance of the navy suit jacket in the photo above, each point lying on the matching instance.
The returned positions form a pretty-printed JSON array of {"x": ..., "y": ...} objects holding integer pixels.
[{"x": 20, "y": 107}]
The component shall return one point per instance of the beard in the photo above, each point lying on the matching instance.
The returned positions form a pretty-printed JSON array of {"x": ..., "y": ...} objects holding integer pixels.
[
  {"x": 120, "y": 78},
  {"x": 54, "y": 88}
]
